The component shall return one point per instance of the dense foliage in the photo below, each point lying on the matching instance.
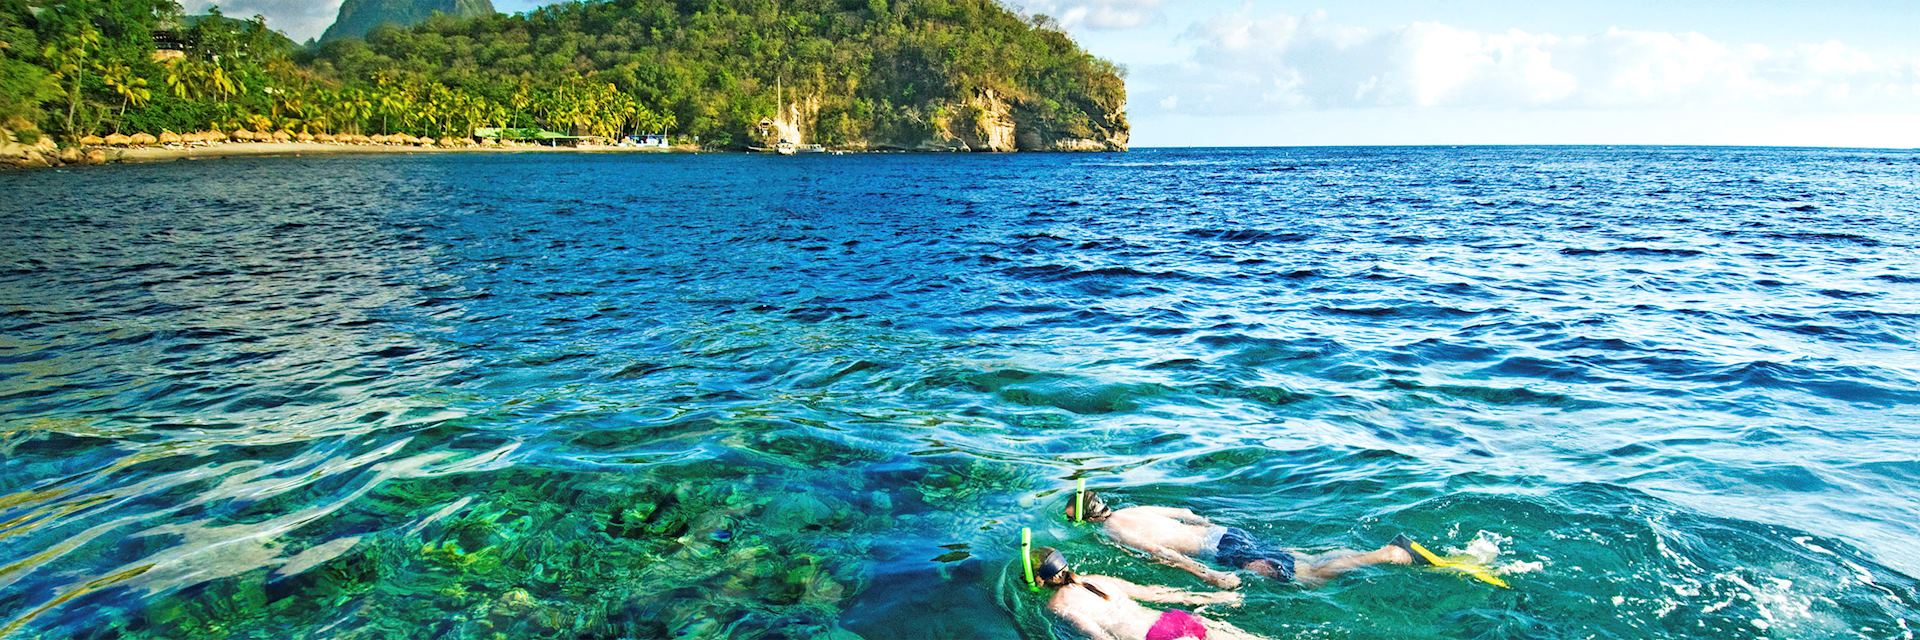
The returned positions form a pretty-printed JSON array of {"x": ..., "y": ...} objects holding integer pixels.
[{"x": 852, "y": 72}]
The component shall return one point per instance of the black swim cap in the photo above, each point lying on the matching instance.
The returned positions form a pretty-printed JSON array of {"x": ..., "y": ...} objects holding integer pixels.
[{"x": 1048, "y": 563}]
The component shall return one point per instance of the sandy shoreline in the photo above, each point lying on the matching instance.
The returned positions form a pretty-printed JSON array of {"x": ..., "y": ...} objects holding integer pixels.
[{"x": 253, "y": 149}]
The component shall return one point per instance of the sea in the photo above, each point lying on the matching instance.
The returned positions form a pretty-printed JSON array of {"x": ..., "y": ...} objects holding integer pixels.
[{"x": 1662, "y": 392}]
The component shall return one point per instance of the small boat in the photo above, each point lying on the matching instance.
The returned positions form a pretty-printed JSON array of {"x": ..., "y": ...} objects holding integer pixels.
[
  {"x": 785, "y": 148},
  {"x": 810, "y": 148}
]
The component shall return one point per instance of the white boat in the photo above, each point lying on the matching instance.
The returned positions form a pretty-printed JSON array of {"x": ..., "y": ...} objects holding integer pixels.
[{"x": 785, "y": 148}]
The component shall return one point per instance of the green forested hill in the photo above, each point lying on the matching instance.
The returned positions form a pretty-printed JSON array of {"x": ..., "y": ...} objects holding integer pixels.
[
  {"x": 729, "y": 73},
  {"x": 357, "y": 17}
]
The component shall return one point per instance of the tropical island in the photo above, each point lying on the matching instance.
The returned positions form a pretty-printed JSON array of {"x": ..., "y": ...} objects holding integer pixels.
[{"x": 80, "y": 79}]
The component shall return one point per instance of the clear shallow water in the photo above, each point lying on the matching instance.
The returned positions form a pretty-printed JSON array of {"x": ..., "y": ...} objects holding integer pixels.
[{"x": 1673, "y": 392}]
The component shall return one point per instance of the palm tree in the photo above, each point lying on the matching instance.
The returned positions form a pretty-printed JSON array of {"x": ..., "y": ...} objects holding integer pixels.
[
  {"x": 180, "y": 79},
  {"x": 131, "y": 87},
  {"x": 69, "y": 53}
]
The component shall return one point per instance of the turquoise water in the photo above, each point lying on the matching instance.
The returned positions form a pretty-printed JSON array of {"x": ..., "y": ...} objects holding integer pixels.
[{"x": 1668, "y": 392}]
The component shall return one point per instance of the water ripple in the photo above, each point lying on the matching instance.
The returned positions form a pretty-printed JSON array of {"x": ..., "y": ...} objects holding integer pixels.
[{"x": 1670, "y": 392}]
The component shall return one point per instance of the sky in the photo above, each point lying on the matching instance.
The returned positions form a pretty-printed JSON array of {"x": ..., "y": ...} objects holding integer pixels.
[{"x": 1317, "y": 72}]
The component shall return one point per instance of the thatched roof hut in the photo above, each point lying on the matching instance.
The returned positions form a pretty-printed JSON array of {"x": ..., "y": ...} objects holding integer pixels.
[
  {"x": 213, "y": 136},
  {"x": 91, "y": 140},
  {"x": 449, "y": 142},
  {"x": 144, "y": 139},
  {"x": 169, "y": 137},
  {"x": 243, "y": 135},
  {"x": 118, "y": 140},
  {"x": 283, "y": 135},
  {"x": 324, "y": 138},
  {"x": 303, "y": 137}
]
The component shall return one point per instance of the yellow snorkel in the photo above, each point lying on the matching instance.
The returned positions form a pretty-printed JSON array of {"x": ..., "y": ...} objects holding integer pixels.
[
  {"x": 1026, "y": 557},
  {"x": 1462, "y": 565}
]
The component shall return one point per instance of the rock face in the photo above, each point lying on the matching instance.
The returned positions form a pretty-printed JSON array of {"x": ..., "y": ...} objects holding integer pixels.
[
  {"x": 985, "y": 123},
  {"x": 989, "y": 121},
  {"x": 358, "y": 17}
]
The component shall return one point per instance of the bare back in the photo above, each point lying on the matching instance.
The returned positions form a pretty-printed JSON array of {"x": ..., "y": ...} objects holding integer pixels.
[
  {"x": 1158, "y": 527},
  {"x": 1115, "y": 616}
]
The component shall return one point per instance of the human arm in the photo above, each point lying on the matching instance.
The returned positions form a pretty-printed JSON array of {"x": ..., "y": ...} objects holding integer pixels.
[
  {"x": 1170, "y": 595},
  {"x": 1177, "y": 560}
]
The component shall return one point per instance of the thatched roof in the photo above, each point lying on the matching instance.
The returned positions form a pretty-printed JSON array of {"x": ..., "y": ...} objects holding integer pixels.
[
  {"x": 242, "y": 135},
  {"x": 283, "y": 135},
  {"x": 324, "y": 138},
  {"x": 144, "y": 139},
  {"x": 304, "y": 137},
  {"x": 92, "y": 140},
  {"x": 213, "y": 136},
  {"x": 169, "y": 137},
  {"x": 118, "y": 140}
]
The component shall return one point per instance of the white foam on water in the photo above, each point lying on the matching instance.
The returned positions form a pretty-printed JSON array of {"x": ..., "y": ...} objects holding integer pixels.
[
  {"x": 1486, "y": 547},
  {"x": 1483, "y": 548}
]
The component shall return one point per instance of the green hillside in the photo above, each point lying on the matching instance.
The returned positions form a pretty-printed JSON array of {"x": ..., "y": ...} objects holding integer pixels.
[
  {"x": 357, "y": 17},
  {"x": 857, "y": 74}
]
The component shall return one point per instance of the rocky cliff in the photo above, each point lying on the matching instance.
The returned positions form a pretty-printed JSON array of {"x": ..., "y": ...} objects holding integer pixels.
[
  {"x": 357, "y": 17},
  {"x": 988, "y": 121}
]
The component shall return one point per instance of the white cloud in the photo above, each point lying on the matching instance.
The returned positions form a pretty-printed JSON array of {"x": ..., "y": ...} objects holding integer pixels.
[
  {"x": 299, "y": 19},
  {"x": 1244, "y": 63},
  {"x": 1094, "y": 14}
]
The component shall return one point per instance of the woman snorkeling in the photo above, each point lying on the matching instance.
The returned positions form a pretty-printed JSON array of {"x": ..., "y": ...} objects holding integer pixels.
[{"x": 1108, "y": 608}]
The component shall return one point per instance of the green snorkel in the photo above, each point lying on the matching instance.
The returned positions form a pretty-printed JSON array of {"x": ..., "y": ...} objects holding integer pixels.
[
  {"x": 1080, "y": 502},
  {"x": 1026, "y": 557}
]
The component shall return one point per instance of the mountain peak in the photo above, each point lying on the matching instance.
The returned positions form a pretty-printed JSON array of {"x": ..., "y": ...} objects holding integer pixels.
[{"x": 358, "y": 17}]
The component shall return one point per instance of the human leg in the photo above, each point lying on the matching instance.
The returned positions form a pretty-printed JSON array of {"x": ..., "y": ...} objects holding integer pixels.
[{"x": 1331, "y": 565}]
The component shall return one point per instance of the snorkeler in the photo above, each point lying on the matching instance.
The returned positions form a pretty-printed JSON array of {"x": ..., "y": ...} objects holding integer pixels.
[
  {"x": 1108, "y": 608},
  {"x": 1183, "y": 539}
]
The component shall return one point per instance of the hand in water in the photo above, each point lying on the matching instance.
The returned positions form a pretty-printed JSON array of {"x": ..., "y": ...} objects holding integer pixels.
[{"x": 1224, "y": 580}]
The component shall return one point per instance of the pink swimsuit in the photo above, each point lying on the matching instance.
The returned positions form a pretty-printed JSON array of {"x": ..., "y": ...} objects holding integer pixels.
[{"x": 1176, "y": 624}]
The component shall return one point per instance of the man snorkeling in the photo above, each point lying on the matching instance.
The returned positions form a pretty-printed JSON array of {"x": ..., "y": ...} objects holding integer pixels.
[
  {"x": 1183, "y": 539},
  {"x": 1108, "y": 608}
]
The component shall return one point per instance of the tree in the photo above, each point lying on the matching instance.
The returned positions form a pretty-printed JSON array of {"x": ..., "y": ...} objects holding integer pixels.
[{"x": 131, "y": 88}]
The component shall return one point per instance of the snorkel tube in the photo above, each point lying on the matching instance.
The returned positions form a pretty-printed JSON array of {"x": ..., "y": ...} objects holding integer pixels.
[
  {"x": 1080, "y": 502},
  {"x": 1026, "y": 557}
]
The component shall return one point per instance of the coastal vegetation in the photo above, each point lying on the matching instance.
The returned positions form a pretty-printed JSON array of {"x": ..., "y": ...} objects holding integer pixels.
[{"x": 860, "y": 74}]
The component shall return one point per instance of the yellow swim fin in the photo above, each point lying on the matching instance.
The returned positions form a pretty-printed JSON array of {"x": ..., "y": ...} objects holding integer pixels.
[{"x": 1462, "y": 564}]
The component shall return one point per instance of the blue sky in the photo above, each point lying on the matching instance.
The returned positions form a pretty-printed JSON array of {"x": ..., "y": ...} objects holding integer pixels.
[
  {"x": 1304, "y": 72},
  {"x": 1296, "y": 72}
]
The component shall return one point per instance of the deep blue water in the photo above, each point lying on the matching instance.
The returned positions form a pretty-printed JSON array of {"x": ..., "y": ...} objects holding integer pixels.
[{"x": 1670, "y": 392}]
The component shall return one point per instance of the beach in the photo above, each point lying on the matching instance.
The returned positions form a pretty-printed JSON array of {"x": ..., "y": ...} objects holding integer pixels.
[
  {"x": 248, "y": 149},
  {"x": 169, "y": 153}
]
